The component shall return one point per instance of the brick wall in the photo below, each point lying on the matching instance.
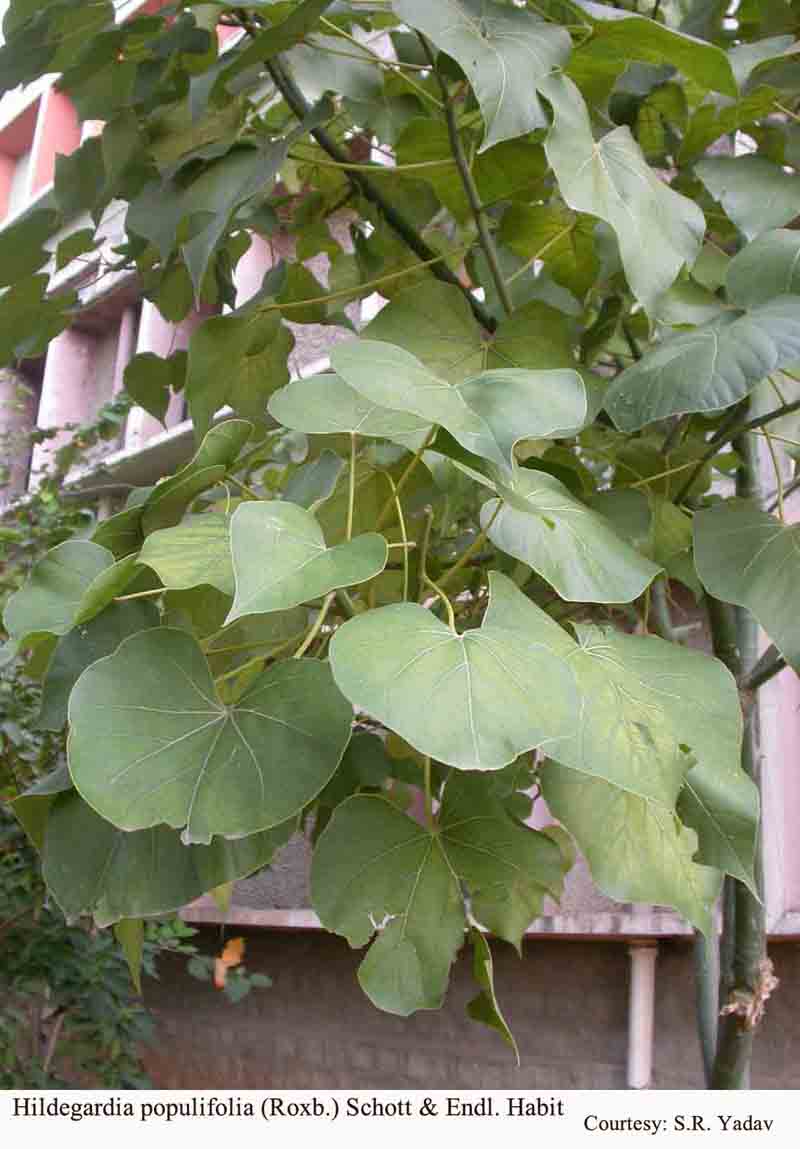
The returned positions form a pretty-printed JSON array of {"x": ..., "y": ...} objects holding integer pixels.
[{"x": 566, "y": 1003}]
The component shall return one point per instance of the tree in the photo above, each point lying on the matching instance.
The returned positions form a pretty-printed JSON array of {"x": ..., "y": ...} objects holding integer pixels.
[{"x": 472, "y": 532}]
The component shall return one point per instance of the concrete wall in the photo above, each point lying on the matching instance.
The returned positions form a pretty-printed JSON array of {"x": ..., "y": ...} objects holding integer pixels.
[{"x": 565, "y": 1001}]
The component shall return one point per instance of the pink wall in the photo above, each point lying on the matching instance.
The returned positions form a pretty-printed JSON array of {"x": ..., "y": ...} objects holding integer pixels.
[
  {"x": 59, "y": 132},
  {"x": 161, "y": 338}
]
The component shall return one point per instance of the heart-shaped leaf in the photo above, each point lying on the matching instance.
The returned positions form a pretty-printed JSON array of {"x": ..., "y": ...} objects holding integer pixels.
[
  {"x": 505, "y": 53},
  {"x": 710, "y": 368},
  {"x": 630, "y": 36},
  {"x": 375, "y": 870},
  {"x": 658, "y": 231},
  {"x": 84, "y": 645},
  {"x": 487, "y": 414},
  {"x": 194, "y": 553},
  {"x": 166, "y": 503},
  {"x": 325, "y": 405},
  {"x": 280, "y": 558},
  {"x": 91, "y": 867},
  {"x": 764, "y": 268},
  {"x": 748, "y": 557},
  {"x": 756, "y": 194},
  {"x": 637, "y": 850},
  {"x": 54, "y": 594},
  {"x": 475, "y": 700},
  {"x": 573, "y": 548},
  {"x": 150, "y": 742}
]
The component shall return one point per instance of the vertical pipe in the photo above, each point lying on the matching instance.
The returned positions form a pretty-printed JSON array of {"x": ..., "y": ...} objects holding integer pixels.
[{"x": 641, "y": 1013}]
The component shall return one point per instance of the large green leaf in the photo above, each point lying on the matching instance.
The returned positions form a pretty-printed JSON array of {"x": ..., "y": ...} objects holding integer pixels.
[
  {"x": 150, "y": 742},
  {"x": 376, "y": 871},
  {"x": 505, "y": 53},
  {"x": 637, "y": 850},
  {"x": 764, "y": 268},
  {"x": 236, "y": 359},
  {"x": 325, "y": 405},
  {"x": 568, "y": 544},
  {"x": 756, "y": 194},
  {"x": 280, "y": 558},
  {"x": 487, "y": 414},
  {"x": 166, "y": 503},
  {"x": 433, "y": 321},
  {"x": 476, "y": 700},
  {"x": 658, "y": 231},
  {"x": 372, "y": 862},
  {"x": 630, "y": 36},
  {"x": 91, "y": 867},
  {"x": 159, "y": 213},
  {"x": 748, "y": 557},
  {"x": 562, "y": 240},
  {"x": 197, "y": 551},
  {"x": 21, "y": 245},
  {"x": 710, "y": 368},
  {"x": 54, "y": 594},
  {"x": 85, "y": 645}
]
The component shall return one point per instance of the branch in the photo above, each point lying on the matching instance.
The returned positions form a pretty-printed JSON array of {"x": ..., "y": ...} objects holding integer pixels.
[
  {"x": 731, "y": 428},
  {"x": 751, "y": 977},
  {"x": 470, "y": 187},
  {"x": 297, "y": 102},
  {"x": 771, "y": 663}
]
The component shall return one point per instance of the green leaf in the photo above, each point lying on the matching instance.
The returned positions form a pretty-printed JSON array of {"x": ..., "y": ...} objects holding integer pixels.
[
  {"x": 91, "y": 867},
  {"x": 75, "y": 244},
  {"x": 707, "y": 369},
  {"x": 640, "y": 699},
  {"x": 167, "y": 501},
  {"x": 507, "y": 867},
  {"x": 569, "y": 545},
  {"x": 193, "y": 553},
  {"x": 151, "y": 381},
  {"x": 637, "y": 850},
  {"x": 375, "y": 870},
  {"x": 505, "y": 53},
  {"x": 748, "y": 557},
  {"x": 21, "y": 246},
  {"x": 487, "y": 414},
  {"x": 325, "y": 405},
  {"x": 485, "y": 1007},
  {"x": 121, "y": 533},
  {"x": 238, "y": 359},
  {"x": 756, "y": 194},
  {"x": 634, "y": 37},
  {"x": 55, "y": 592},
  {"x": 264, "y": 634},
  {"x": 29, "y": 318},
  {"x": 374, "y": 862},
  {"x": 658, "y": 231},
  {"x": 314, "y": 483},
  {"x": 475, "y": 701},
  {"x": 83, "y": 646},
  {"x": 194, "y": 762},
  {"x": 563, "y": 241},
  {"x": 162, "y": 210},
  {"x": 80, "y": 179},
  {"x": 280, "y": 558},
  {"x": 129, "y": 932},
  {"x": 764, "y": 268}
]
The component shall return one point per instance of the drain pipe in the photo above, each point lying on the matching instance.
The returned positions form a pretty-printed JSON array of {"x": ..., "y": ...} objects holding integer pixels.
[{"x": 641, "y": 1013}]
